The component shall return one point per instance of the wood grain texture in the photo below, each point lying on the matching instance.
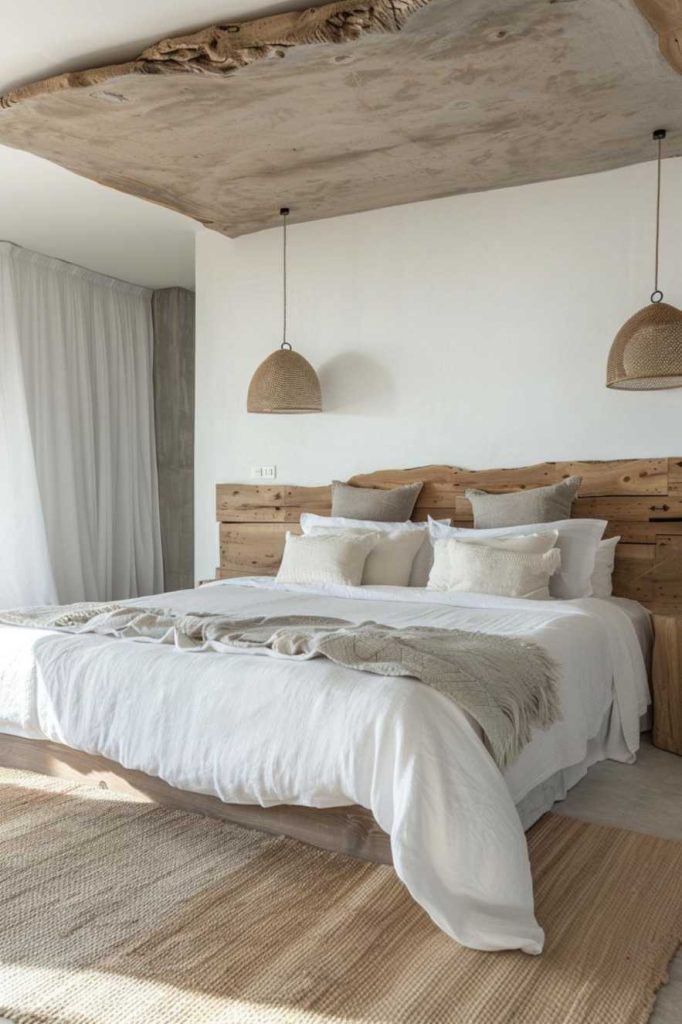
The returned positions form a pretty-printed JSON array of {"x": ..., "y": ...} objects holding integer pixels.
[
  {"x": 667, "y": 682},
  {"x": 383, "y": 106},
  {"x": 350, "y": 830},
  {"x": 253, "y": 504},
  {"x": 641, "y": 500},
  {"x": 675, "y": 477},
  {"x": 222, "y": 50},
  {"x": 253, "y": 549},
  {"x": 618, "y": 477},
  {"x": 665, "y": 17}
]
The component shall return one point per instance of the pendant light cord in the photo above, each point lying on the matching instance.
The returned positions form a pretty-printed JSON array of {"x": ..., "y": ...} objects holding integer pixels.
[
  {"x": 285, "y": 213},
  {"x": 657, "y": 294}
]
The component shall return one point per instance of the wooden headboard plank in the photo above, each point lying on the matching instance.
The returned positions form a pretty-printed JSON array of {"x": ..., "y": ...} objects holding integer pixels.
[
  {"x": 640, "y": 498},
  {"x": 244, "y": 503},
  {"x": 675, "y": 477},
  {"x": 253, "y": 549},
  {"x": 641, "y": 532},
  {"x": 443, "y": 485},
  {"x": 623, "y": 476},
  {"x": 659, "y": 509}
]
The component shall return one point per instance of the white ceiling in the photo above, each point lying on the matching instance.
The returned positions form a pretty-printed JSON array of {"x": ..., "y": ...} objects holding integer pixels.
[{"x": 46, "y": 208}]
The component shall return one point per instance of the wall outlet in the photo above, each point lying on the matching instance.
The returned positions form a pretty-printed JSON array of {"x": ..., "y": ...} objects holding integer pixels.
[{"x": 264, "y": 472}]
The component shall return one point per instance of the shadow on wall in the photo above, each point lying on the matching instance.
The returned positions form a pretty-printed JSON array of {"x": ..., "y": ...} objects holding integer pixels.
[{"x": 355, "y": 383}]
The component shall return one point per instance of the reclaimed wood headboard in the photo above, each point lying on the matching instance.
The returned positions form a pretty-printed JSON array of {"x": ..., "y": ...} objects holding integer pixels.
[{"x": 640, "y": 498}]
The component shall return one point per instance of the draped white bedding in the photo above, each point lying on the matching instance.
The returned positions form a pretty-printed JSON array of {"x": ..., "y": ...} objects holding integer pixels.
[{"x": 254, "y": 729}]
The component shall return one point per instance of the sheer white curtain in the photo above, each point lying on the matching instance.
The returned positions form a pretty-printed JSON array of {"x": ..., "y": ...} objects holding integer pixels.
[
  {"x": 78, "y": 419},
  {"x": 25, "y": 571}
]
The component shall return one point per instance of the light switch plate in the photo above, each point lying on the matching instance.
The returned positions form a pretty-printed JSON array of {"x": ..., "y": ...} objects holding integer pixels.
[{"x": 264, "y": 472}]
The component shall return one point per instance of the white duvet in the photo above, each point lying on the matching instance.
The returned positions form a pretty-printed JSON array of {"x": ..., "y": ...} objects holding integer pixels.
[{"x": 255, "y": 729}]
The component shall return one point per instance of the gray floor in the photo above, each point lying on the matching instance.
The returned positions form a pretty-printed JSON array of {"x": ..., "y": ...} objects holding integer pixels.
[{"x": 647, "y": 797}]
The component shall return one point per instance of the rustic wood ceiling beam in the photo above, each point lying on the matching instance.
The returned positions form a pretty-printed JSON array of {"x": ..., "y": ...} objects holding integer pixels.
[
  {"x": 224, "y": 49},
  {"x": 334, "y": 109},
  {"x": 665, "y": 17}
]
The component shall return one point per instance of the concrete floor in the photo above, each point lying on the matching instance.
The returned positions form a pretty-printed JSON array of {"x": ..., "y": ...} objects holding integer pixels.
[{"x": 647, "y": 797}]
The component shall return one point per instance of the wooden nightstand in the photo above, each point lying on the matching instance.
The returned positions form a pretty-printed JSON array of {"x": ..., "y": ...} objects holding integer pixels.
[{"x": 667, "y": 680}]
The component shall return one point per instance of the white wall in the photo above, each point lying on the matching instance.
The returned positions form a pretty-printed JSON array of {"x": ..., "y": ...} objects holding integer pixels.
[{"x": 471, "y": 330}]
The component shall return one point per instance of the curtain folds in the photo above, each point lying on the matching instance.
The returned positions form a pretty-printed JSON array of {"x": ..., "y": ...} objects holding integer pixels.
[{"x": 84, "y": 389}]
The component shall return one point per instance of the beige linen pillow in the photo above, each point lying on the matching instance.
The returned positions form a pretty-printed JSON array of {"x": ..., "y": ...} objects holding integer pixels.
[
  {"x": 392, "y": 506},
  {"x": 535, "y": 505},
  {"x": 513, "y": 567},
  {"x": 421, "y": 567},
  {"x": 423, "y": 561},
  {"x": 602, "y": 576},
  {"x": 389, "y": 563},
  {"x": 325, "y": 559}
]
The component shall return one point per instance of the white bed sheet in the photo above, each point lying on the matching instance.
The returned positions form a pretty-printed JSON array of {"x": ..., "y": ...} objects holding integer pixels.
[{"x": 251, "y": 729}]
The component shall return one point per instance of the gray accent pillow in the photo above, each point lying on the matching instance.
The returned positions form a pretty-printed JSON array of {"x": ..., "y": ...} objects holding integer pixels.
[
  {"x": 394, "y": 506},
  {"x": 536, "y": 505}
]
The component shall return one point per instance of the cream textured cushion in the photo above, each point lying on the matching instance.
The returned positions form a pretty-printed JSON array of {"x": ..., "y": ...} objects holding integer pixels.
[
  {"x": 602, "y": 577},
  {"x": 535, "y": 505},
  {"x": 421, "y": 566},
  {"x": 325, "y": 559},
  {"x": 389, "y": 563},
  {"x": 392, "y": 506},
  {"x": 578, "y": 543},
  {"x": 517, "y": 567}
]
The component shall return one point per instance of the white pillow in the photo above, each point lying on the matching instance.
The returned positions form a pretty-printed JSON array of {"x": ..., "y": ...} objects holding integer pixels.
[
  {"x": 602, "y": 576},
  {"x": 421, "y": 567},
  {"x": 310, "y": 521},
  {"x": 423, "y": 561},
  {"x": 389, "y": 563},
  {"x": 517, "y": 567},
  {"x": 325, "y": 559},
  {"x": 578, "y": 542}
]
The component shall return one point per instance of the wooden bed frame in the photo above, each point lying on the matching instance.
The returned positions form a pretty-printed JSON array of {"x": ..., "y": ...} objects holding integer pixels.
[
  {"x": 350, "y": 830},
  {"x": 640, "y": 498}
]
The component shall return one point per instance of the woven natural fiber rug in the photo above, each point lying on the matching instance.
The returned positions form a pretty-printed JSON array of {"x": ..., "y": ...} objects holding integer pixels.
[{"x": 120, "y": 912}]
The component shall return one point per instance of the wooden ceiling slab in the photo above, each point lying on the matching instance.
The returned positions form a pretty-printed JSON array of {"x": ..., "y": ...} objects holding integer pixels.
[
  {"x": 665, "y": 17},
  {"x": 358, "y": 105},
  {"x": 224, "y": 49}
]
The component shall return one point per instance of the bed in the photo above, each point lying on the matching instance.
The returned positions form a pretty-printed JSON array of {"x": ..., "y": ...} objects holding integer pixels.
[{"x": 383, "y": 768}]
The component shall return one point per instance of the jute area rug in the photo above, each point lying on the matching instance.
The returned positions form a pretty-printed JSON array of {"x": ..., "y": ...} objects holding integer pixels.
[{"x": 120, "y": 912}]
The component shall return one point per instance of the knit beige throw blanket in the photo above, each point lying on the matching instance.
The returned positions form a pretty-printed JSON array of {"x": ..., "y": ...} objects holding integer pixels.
[{"x": 506, "y": 683}]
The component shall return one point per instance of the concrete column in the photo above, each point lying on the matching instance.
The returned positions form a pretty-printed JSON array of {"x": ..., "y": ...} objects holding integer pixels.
[{"x": 173, "y": 312}]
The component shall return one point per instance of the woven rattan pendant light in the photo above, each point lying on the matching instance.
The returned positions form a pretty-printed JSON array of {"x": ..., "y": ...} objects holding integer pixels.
[
  {"x": 285, "y": 382},
  {"x": 646, "y": 354}
]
